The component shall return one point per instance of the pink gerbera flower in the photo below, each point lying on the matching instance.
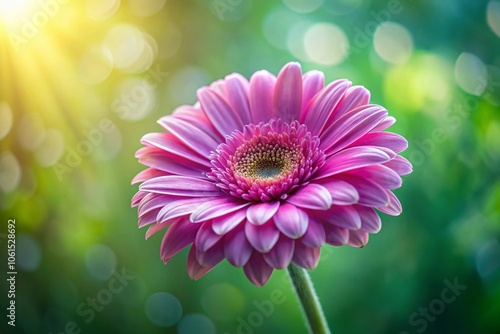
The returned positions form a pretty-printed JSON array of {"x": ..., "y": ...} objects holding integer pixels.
[{"x": 264, "y": 172}]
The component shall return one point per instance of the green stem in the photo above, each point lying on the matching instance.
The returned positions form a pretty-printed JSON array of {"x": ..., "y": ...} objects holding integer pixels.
[{"x": 311, "y": 308}]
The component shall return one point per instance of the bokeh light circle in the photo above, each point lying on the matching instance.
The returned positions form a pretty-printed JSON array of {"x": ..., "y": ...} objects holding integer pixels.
[
  {"x": 393, "y": 42},
  {"x": 31, "y": 131},
  {"x": 51, "y": 149},
  {"x": 146, "y": 7},
  {"x": 196, "y": 323},
  {"x": 96, "y": 65},
  {"x": 163, "y": 309},
  {"x": 28, "y": 252},
  {"x": 493, "y": 16},
  {"x": 100, "y": 261},
  {"x": 326, "y": 44},
  {"x": 303, "y": 7},
  {"x": 471, "y": 74},
  {"x": 101, "y": 9},
  {"x": 5, "y": 119},
  {"x": 10, "y": 172}
]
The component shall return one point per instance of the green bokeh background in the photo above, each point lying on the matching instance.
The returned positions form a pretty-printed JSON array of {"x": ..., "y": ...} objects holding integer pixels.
[{"x": 74, "y": 227}]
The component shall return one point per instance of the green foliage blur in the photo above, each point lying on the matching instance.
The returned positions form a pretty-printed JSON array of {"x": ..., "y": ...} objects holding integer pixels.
[{"x": 82, "y": 82}]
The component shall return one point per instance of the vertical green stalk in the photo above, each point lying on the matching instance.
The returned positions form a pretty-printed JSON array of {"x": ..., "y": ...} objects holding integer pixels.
[{"x": 311, "y": 308}]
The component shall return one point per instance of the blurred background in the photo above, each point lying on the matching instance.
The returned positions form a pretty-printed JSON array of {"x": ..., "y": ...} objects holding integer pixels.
[{"x": 82, "y": 81}]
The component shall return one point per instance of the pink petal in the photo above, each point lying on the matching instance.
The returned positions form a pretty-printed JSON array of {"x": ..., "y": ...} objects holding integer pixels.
[
  {"x": 315, "y": 235},
  {"x": 370, "y": 220},
  {"x": 188, "y": 134},
  {"x": 152, "y": 202},
  {"x": 238, "y": 88},
  {"x": 387, "y": 122},
  {"x": 261, "y": 96},
  {"x": 306, "y": 257},
  {"x": 291, "y": 221},
  {"x": 393, "y": 141},
  {"x": 179, "y": 207},
  {"x": 237, "y": 249},
  {"x": 400, "y": 165},
  {"x": 194, "y": 268},
  {"x": 357, "y": 238},
  {"x": 180, "y": 186},
  {"x": 335, "y": 236},
  {"x": 148, "y": 218},
  {"x": 260, "y": 213},
  {"x": 281, "y": 254},
  {"x": 312, "y": 83},
  {"x": 381, "y": 175},
  {"x": 351, "y": 127},
  {"x": 370, "y": 193},
  {"x": 138, "y": 197},
  {"x": 179, "y": 235},
  {"x": 206, "y": 237},
  {"x": 354, "y": 97},
  {"x": 212, "y": 256},
  {"x": 171, "y": 144},
  {"x": 344, "y": 216},
  {"x": 156, "y": 227},
  {"x": 219, "y": 112},
  {"x": 171, "y": 164},
  {"x": 147, "y": 174},
  {"x": 262, "y": 237},
  {"x": 312, "y": 196},
  {"x": 288, "y": 93},
  {"x": 319, "y": 109},
  {"x": 342, "y": 193},
  {"x": 195, "y": 116},
  {"x": 226, "y": 223},
  {"x": 394, "y": 207},
  {"x": 257, "y": 270},
  {"x": 352, "y": 158},
  {"x": 216, "y": 208}
]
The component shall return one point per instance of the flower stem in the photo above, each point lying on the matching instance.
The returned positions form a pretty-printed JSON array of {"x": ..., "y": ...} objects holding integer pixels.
[{"x": 311, "y": 308}]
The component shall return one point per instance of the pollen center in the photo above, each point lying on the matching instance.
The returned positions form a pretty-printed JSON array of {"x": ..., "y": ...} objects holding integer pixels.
[{"x": 266, "y": 162}]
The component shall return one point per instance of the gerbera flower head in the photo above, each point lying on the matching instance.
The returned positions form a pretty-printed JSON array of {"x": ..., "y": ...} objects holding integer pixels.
[{"x": 265, "y": 172}]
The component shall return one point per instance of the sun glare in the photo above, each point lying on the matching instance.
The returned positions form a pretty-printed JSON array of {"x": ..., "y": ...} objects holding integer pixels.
[{"x": 13, "y": 11}]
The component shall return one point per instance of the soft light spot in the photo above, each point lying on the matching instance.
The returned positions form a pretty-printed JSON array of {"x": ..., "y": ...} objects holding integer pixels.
[
  {"x": 96, "y": 65},
  {"x": 393, "y": 42},
  {"x": 31, "y": 132},
  {"x": 302, "y": 7},
  {"x": 101, "y": 9},
  {"x": 493, "y": 16},
  {"x": 224, "y": 309},
  {"x": 183, "y": 83},
  {"x": 326, "y": 44},
  {"x": 100, "y": 261},
  {"x": 277, "y": 26},
  {"x": 196, "y": 323},
  {"x": 5, "y": 119},
  {"x": 471, "y": 74},
  {"x": 488, "y": 260},
  {"x": 134, "y": 99},
  {"x": 28, "y": 253},
  {"x": 163, "y": 309},
  {"x": 51, "y": 149},
  {"x": 146, "y": 7},
  {"x": 10, "y": 172},
  {"x": 295, "y": 39},
  {"x": 128, "y": 46}
]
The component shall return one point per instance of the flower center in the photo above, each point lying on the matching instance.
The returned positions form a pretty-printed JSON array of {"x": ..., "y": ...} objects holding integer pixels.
[{"x": 267, "y": 161}]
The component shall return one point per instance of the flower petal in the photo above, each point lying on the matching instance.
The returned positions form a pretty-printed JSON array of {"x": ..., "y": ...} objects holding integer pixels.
[
  {"x": 212, "y": 256},
  {"x": 312, "y": 196},
  {"x": 226, "y": 223},
  {"x": 354, "y": 97},
  {"x": 305, "y": 257},
  {"x": 312, "y": 82},
  {"x": 381, "y": 175},
  {"x": 358, "y": 239},
  {"x": 237, "y": 249},
  {"x": 206, "y": 237},
  {"x": 319, "y": 109},
  {"x": 315, "y": 235},
  {"x": 194, "y": 268},
  {"x": 392, "y": 141},
  {"x": 237, "y": 87},
  {"x": 280, "y": 256},
  {"x": 343, "y": 193},
  {"x": 257, "y": 270},
  {"x": 370, "y": 193},
  {"x": 157, "y": 227},
  {"x": 291, "y": 221},
  {"x": 343, "y": 216},
  {"x": 351, "y": 127},
  {"x": 179, "y": 207},
  {"x": 261, "y": 96},
  {"x": 335, "y": 236},
  {"x": 394, "y": 207},
  {"x": 262, "y": 237},
  {"x": 169, "y": 163},
  {"x": 180, "y": 186},
  {"x": 260, "y": 213},
  {"x": 352, "y": 158},
  {"x": 179, "y": 235},
  {"x": 147, "y": 174},
  {"x": 370, "y": 220},
  {"x": 216, "y": 208},
  {"x": 219, "y": 112},
  {"x": 400, "y": 165},
  {"x": 387, "y": 122},
  {"x": 288, "y": 93}
]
